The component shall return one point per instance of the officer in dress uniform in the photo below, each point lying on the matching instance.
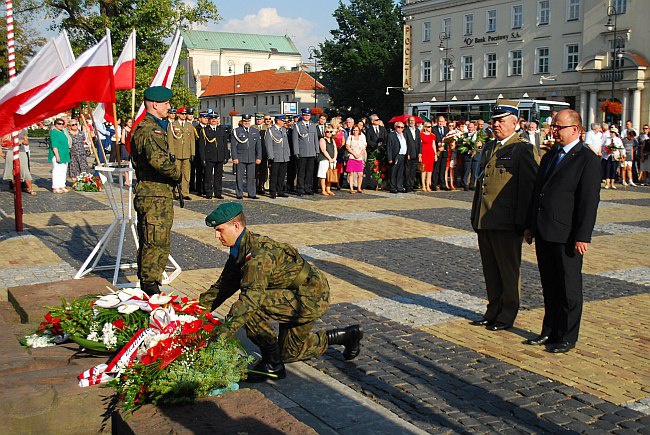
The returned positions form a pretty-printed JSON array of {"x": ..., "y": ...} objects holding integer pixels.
[
  {"x": 276, "y": 284},
  {"x": 157, "y": 175},
  {"x": 276, "y": 143},
  {"x": 262, "y": 123},
  {"x": 182, "y": 136},
  {"x": 246, "y": 146},
  {"x": 196, "y": 175},
  {"x": 214, "y": 153},
  {"x": 305, "y": 147}
]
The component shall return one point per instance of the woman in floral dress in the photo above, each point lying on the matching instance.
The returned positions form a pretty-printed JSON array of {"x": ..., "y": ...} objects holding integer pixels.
[{"x": 78, "y": 161}]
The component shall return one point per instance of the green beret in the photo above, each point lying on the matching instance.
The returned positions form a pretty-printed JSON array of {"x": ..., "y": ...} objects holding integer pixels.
[
  {"x": 159, "y": 94},
  {"x": 223, "y": 213}
]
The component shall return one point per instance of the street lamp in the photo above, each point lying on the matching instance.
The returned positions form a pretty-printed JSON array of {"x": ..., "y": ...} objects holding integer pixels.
[
  {"x": 617, "y": 51},
  {"x": 397, "y": 87},
  {"x": 312, "y": 56},
  {"x": 448, "y": 65},
  {"x": 235, "y": 83}
]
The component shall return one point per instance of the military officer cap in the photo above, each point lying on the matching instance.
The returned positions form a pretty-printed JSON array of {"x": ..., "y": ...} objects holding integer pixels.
[
  {"x": 280, "y": 117},
  {"x": 306, "y": 111},
  {"x": 224, "y": 213},
  {"x": 182, "y": 110},
  {"x": 212, "y": 115},
  {"x": 246, "y": 117},
  {"x": 296, "y": 117},
  {"x": 172, "y": 110},
  {"x": 158, "y": 94},
  {"x": 259, "y": 115},
  {"x": 504, "y": 108}
]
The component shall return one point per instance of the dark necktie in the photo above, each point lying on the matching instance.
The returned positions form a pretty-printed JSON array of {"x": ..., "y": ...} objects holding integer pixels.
[{"x": 556, "y": 160}]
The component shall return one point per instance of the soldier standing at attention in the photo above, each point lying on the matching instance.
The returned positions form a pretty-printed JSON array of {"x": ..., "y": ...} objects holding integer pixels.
[
  {"x": 276, "y": 143},
  {"x": 305, "y": 147},
  {"x": 214, "y": 153},
  {"x": 246, "y": 146},
  {"x": 276, "y": 284},
  {"x": 182, "y": 144},
  {"x": 157, "y": 176},
  {"x": 503, "y": 191}
]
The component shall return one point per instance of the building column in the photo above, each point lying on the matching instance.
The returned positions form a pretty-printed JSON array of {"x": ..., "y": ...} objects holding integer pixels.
[
  {"x": 583, "y": 107},
  {"x": 593, "y": 105},
  {"x": 636, "y": 110},
  {"x": 626, "y": 107}
]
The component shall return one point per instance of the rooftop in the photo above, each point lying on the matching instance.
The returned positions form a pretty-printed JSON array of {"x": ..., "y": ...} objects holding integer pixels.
[
  {"x": 261, "y": 81},
  {"x": 205, "y": 40}
]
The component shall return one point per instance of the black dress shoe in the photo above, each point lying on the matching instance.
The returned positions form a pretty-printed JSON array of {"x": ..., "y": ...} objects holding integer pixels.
[
  {"x": 218, "y": 196},
  {"x": 273, "y": 196},
  {"x": 283, "y": 195},
  {"x": 498, "y": 327},
  {"x": 240, "y": 197},
  {"x": 393, "y": 191},
  {"x": 309, "y": 193},
  {"x": 252, "y": 197},
  {"x": 562, "y": 347},
  {"x": 187, "y": 198},
  {"x": 481, "y": 322},
  {"x": 537, "y": 341},
  {"x": 401, "y": 190},
  {"x": 207, "y": 196}
]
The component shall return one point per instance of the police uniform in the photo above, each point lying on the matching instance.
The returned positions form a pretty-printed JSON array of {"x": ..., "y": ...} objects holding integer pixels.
[
  {"x": 305, "y": 147},
  {"x": 276, "y": 284},
  {"x": 276, "y": 143},
  {"x": 503, "y": 191},
  {"x": 182, "y": 144},
  {"x": 246, "y": 146},
  {"x": 157, "y": 176}
]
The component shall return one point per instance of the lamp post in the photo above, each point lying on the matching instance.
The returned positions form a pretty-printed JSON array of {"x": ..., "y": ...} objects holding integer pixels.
[
  {"x": 312, "y": 56},
  {"x": 448, "y": 65},
  {"x": 617, "y": 52},
  {"x": 235, "y": 85}
]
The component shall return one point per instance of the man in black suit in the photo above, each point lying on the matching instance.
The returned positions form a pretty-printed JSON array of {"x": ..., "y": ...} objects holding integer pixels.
[
  {"x": 213, "y": 150},
  {"x": 413, "y": 153},
  {"x": 561, "y": 218},
  {"x": 441, "y": 129},
  {"x": 396, "y": 157},
  {"x": 376, "y": 137}
]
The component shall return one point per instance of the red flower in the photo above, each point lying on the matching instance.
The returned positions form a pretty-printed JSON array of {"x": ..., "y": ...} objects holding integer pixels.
[
  {"x": 212, "y": 319},
  {"x": 170, "y": 356},
  {"x": 192, "y": 327},
  {"x": 119, "y": 324},
  {"x": 208, "y": 327}
]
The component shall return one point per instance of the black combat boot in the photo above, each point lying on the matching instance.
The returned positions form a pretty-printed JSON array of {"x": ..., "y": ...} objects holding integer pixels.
[
  {"x": 349, "y": 337},
  {"x": 270, "y": 366},
  {"x": 150, "y": 287}
]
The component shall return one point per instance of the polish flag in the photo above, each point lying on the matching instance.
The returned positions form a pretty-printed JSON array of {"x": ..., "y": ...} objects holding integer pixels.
[
  {"x": 89, "y": 78},
  {"x": 48, "y": 63},
  {"x": 163, "y": 77},
  {"x": 124, "y": 72}
]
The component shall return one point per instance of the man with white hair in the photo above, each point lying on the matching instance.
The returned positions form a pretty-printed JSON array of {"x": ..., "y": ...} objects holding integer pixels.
[{"x": 594, "y": 138}]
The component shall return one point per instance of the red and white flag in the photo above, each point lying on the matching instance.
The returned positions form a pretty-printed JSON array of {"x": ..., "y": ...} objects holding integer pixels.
[
  {"x": 124, "y": 72},
  {"x": 48, "y": 63},
  {"x": 89, "y": 78}
]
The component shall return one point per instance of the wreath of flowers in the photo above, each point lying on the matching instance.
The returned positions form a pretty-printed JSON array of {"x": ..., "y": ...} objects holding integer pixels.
[{"x": 85, "y": 182}]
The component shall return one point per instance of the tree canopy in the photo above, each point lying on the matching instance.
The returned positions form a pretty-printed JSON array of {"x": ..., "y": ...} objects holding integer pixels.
[{"x": 364, "y": 57}]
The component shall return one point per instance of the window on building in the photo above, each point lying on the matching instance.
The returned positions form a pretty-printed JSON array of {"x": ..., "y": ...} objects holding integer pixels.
[
  {"x": 426, "y": 71},
  {"x": 446, "y": 26},
  {"x": 254, "y": 101},
  {"x": 620, "y": 44},
  {"x": 233, "y": 102},
  {"x": 491, "y": 25},
  {"x": 426, "y": 31},
  {"x": 247, "y": 67},
  {"x": 542, "y": 60},
  {"x": 620, "y": 6},
  {"x": 516, "y": 62},
  {"x": 517, "y": 16},
  {"x": 214, "y": 68},
  {"x": 572, "y": 10},
  {"x": 223, "y": 103},
  {"x": 468, "y": 25},
  {"x": 490, "y": 64},
  {"x": 272, "y": 99},
  {"x": 266, "y": 101},
  {"x": 286, "y": 98},
  {"x": 445, "y": 70},
  {"x": 467, "y": 67},
  {"x": 543, "y": 13},
  {"x": 572, "y": 56},
  {"x": 242, "y": 102}
]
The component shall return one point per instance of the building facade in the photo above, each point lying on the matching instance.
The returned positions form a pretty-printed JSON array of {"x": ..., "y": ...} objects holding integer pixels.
[
  {"x": 225, "y": 54},
  {"x": 543, "y": 49},
  {"x": 269, "y": 91}
]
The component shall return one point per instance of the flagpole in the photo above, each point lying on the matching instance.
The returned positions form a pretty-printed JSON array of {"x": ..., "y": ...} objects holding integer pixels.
[
  {"x": 133, "y": 88},
  {"x": 90, "y": 137},
  {"x": 18, "y": 185},
  {"x": 101, "y": 146}
]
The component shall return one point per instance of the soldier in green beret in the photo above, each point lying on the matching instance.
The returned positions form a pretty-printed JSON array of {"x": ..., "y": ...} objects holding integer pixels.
[
  {"x": 157, "y": 176},
  {"x": 276, "y": 284}
]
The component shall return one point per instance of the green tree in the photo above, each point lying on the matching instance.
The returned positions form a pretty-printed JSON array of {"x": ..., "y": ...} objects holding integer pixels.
[{"x": 364, "y": 57}]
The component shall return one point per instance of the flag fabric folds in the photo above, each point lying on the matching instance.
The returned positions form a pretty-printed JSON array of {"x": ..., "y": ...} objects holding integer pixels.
[
  {"x": 89, "y": 78},
  {"x": 49, "y": 62}
]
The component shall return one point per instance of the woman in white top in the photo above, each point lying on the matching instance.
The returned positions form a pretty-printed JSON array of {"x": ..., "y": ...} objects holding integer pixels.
[{"x": 356, "y": 147}]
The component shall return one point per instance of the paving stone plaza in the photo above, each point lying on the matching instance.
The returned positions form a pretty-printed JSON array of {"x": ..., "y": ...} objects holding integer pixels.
[{"x": 407, "y": 268}]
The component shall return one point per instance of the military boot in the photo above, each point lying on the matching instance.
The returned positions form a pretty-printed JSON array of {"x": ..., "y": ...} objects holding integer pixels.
[
  {"x": 270, "y": 366},
  {"x": 349, "y": 337},
  {"x": 150, "y": 287}
]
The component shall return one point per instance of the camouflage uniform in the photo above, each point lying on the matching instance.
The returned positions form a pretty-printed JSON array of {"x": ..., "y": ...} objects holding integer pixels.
[
  {"x": 276, "y": 283},
  {"x": 157, "y": 176}
]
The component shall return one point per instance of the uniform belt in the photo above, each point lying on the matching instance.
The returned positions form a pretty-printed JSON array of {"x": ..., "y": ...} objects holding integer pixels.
[{"x": 302, "y": 276}]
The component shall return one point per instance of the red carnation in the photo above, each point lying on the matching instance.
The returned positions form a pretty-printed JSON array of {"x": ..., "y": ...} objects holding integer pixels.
[{"x": 119, "y": 324}]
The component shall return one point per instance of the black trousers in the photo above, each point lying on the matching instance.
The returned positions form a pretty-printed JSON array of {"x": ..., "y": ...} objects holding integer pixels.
[
  {"x": 437, "y": 178},
  {"x": 560, "y": 269},
  {"x": 305, "y": 175},
  {"x": 292, "y": 170},
  {"x": 469, "y": 173},
  {"x": 397, "y": 173},
  {"x": 262, "y": 175},
  {"x": 410, "y": 170},
  {"x": 276, "y": 179},
  {"x": 196, "y": 177},
  {"x": 213, "y": 178}
]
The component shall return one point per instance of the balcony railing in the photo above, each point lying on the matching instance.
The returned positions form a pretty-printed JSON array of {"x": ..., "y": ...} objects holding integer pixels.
[{"x": 606, "y": 76}]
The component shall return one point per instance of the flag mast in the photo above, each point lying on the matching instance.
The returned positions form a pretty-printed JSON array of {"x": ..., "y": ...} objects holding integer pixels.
[{"x": 18, "y": 185}]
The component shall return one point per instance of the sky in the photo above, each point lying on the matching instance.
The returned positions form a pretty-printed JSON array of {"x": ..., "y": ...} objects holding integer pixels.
[{"x": 306, "y": 23}]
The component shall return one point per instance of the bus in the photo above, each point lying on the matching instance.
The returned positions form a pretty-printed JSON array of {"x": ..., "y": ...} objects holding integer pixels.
[{"x": 530, "y": 110}]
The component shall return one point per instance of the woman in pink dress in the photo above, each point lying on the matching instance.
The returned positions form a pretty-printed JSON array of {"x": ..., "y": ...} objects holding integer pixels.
[
  {"x": 356, "y": 146},
  {"x": 428, "y": 155}
]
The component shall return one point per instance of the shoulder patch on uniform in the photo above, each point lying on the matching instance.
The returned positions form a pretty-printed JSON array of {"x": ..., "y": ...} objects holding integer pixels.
[
  {"x": 158, "y": 132},
  {"x": 248, "y": 257}
]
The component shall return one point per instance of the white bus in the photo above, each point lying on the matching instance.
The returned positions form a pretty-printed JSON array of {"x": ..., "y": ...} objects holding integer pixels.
[{"x": 530, "y": 110}]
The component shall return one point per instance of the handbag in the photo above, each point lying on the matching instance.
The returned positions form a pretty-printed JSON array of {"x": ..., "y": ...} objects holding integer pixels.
[
  {"x": 332, "y": 175},
  {"x": 421, "y": 166}
]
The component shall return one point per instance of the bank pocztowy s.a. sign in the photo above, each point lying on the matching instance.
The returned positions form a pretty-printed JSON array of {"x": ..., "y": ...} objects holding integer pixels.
[{"x": 490, "y": 39}]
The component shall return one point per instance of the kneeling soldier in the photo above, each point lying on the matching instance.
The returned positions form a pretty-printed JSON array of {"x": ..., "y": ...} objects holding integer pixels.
[{"x": 276, "y": 283}]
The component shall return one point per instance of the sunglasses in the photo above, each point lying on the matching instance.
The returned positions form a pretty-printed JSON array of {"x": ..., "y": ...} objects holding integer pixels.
[
  {"x": 58, "y": 123},
  {"x": 399, "y": 126}
]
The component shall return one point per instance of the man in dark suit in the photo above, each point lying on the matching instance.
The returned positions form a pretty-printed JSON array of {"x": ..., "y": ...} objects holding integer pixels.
[
  {"x": 532, "y": 135},
  {"x": 503, "y": 190},
  {"x": 213, "y": 150},
  {"x": 306, "y": 148},
  {"x": 413, "y": 153},
  {"x": 441, "y": 129},
  {"x": 246, "y": 147},
  {"x": 396, "y": 157},
  {"x": 561, "y": 219},
  {"x": 376, "y": 134}
]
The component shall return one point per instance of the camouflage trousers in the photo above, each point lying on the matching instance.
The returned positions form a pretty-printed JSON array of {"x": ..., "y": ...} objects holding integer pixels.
[
  {"x": 297, "y": 311},
  {"x": 155, "y": 218}
]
